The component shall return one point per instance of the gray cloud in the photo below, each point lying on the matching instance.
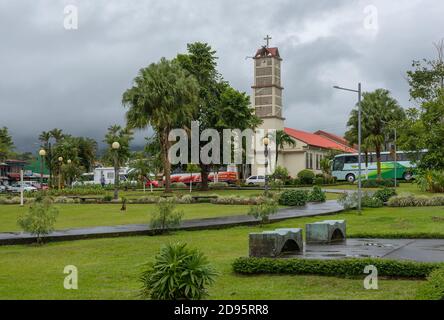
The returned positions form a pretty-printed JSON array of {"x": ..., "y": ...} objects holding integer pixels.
[{"x": 74, "y": 80}]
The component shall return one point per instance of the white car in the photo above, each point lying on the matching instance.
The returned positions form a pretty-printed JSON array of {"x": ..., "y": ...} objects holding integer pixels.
[
  {"x": 2, "y": 188},
  {"x": 255, "y": 180},
  {"x": 16, "y": 188}
]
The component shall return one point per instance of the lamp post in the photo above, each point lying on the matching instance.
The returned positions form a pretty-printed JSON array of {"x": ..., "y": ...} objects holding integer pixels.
[
  {"x": 42, "y": 154},
  {"x": 60, "y": 172},
  {"x": 359, "y": 92},
  {"x": 266, "y": 142},
  {"x": 116, "y": 146}
]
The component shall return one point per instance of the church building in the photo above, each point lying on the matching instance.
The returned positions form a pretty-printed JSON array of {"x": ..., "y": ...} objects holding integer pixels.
[{"x": 267, "y": 100}]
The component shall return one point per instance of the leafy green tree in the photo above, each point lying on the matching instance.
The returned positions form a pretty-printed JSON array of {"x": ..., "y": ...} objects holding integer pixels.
[
  {"x": 379, "y": 110},
  {"x": 219, "y": 106},
  {"x": 6, "y": 144},
  {"x": 165, "y": 217},
  {"x": 263, "y": 210},
  {"x": 40, "y": 218},
  {"x": 163, "y": 96},
  {"x": 178, "y": 273},
  {"x": 123, "y": 136},
  {"x": 426, "y": 79}
]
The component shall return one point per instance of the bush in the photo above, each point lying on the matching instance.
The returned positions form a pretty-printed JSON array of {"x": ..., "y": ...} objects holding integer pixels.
[
  {"x": 306, "y": 176},
  {"x": 433, "y": 288},
  {"x": 280, "y": 173},
  {"x": 379, "y": 183},
  {"x": 178, "y": 185},
  {"x": 264, "y": 210},
  {"x": 339, "y": 267},
  {"x": 431, "y": 180},
  {"x": 385, "y": 194},
  {"x": 165, "y": 217},
  {"x": 319, "y": 181},
  {"x": 178, "y": 273},
  {"x": 409, "y": 200},
  {"x": 64, "y": 200},
  {"x": 350, "y": 200},
  {"x": 317, "y": 195},
  {"x": 146, "y": 200},
  {"x": 293, "y": 198},
  {"x": 107, "y": 198},
  {"x": 218, "y": 184},
  {"x": 40, "y": 218}
]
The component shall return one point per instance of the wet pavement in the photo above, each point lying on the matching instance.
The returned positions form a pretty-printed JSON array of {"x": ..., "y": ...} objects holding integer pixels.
[
  {"x": 423, "y": 250},
  {"x": 311, "y": 209}
]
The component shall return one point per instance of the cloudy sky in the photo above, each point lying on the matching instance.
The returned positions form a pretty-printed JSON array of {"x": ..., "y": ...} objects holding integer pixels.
[{"x": 74, "y": 79}]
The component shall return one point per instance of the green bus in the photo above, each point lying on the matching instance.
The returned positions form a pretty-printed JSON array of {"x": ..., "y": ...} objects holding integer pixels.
[{"x": 345, "y": 167}]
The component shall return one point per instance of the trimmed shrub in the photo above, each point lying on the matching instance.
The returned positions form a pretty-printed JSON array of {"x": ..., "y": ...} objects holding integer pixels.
[
  {"x": 385, "y": 194},
  {"x": 178, "y": 185},
  {"x": 64, "y": 200},
  {"x": 340, "y": 267},
  {"x": 350, "y": 200},
  {"x": 319, "y": 181},
  {"x": 107, "y": 198},
  {"x": 409, "y": 200},
  {"x": 165, "y": 217},
  {"x": 371, "y": 202},
  {"x": 293, "y": 198},
  {"x": 379, "y": 183},
  {"x": 433, "y": 288},
  {"x": 264, "y": 210},
  {"x": 317, "y": 195},
  {"x": 306, "y": 176},
  {"x": 178, "y": 273},
  {"x": 146, "y": 200},
  {"x": 218, "y": 184}
]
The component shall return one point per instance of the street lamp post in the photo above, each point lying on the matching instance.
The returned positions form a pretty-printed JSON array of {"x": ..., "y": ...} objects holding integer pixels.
[
  {"x": 359, "y": 92},
  {"x": 116, "y": 146},
  {"x": 60, "y": 172},
  {"x": 42, "y": 154},
  {"x": 266, "y": 142}
]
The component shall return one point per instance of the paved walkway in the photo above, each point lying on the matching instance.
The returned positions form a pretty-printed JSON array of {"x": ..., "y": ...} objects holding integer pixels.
[{"x": 311, "y": 209}]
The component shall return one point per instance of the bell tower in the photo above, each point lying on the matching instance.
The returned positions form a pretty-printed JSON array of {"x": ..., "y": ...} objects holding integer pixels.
[{"x": 267, "y": 88}]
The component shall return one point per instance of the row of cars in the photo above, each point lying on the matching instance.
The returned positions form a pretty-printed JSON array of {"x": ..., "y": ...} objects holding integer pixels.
[{"x": 17, "y": 187}]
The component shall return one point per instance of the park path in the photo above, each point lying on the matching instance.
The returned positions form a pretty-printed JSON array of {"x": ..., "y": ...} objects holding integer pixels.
[{"x": 311, "y": 209}]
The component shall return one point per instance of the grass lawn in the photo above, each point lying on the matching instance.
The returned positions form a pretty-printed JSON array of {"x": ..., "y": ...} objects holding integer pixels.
[
  {"x": 110, "y": 268},
  {"x": 90, "y": 215}
]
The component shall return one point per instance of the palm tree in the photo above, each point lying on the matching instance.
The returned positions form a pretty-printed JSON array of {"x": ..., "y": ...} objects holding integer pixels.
[
  {"x": 57, "y": 134},
  {"x": 378, "y": 110},
  {"x": 163, "y": 96},
  {"x": 282, "y": 139}
]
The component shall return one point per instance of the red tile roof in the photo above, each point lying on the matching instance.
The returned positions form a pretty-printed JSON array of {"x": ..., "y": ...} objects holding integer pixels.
[
  {"x": 318, "y": 140},
  {"x": 264, "y": 51}
]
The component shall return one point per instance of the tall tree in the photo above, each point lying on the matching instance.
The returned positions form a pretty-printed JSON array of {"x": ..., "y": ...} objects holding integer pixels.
[
  {"x": 163, "y": 96},
  {"x": 379, "y": 110},
  {"x": 6, "y": 144},
  {"x": 123, "y": 136},
  {"x": 282, "y": 139}
]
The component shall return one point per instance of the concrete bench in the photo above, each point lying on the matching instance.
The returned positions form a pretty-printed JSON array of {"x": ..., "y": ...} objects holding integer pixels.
[
  {"x": 327, "y": 231},
  {"x": 273, "y": 243}
]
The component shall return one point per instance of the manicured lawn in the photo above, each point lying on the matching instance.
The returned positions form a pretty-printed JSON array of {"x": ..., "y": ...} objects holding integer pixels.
[
  {"x": 90, "y": 215},
  {"x": 403, "y": 188},
  {"x": 110, "y": 268}
]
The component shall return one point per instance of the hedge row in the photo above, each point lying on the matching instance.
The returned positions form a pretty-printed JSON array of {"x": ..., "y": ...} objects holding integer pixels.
[
  {"x": 342, "y": 267},
  {"x": 433, "y": 288},
  {"x": 415, "y": 201}
]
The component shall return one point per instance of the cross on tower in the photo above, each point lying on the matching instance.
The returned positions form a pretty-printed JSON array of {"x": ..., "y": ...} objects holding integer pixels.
[{"x": 268, "y": 38}]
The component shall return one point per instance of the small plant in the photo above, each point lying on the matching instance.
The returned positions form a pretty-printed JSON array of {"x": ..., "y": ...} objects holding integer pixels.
[
  {"x": 124, "y": 201},
  {"x": 165, "y": 217},
  {"x": 350, "y": 201},
  {"x": 264, "y": 210},
  {"x": 306, "y": 176},
  {"x": 178, "y": 273},
  {"x": 40, "y": 218},
  {"x": 293, "y": 198},
  {"x": 317, "y": 195},
  {"x": 107, "y": 198},
  {"x": 178, "y": 185},
  {"x": 385, "y": 194}
]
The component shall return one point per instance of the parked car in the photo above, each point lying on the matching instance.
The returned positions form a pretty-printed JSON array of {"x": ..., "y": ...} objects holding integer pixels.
[
  {"x": 2, "y": 188},
  {"x": 255, "y": 180},
  {"x": 16, "y": 188}
]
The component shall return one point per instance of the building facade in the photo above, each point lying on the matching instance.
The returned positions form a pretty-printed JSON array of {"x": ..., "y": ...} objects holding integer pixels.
[{"x": 309, "y": 148}]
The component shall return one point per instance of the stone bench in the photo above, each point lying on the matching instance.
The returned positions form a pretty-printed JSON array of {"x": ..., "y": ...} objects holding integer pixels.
[
  {"x": 327, "y": 231},
  {"x": 273, "y": 243}
]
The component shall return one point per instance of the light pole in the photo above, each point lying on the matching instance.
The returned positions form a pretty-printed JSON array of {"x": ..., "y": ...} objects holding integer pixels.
[
  {"x": 266, "y": 142},
  {"x": 116, "y": 146},
  {"x": 42, "y": 154},
  {"x": 60, "y": 172},
  {"x": 359, "y": 92}
]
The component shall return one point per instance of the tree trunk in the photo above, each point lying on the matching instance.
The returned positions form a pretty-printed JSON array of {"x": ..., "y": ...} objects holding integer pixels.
[
  {"x": 166, "y": 162},
  {"x": 378, "y": 161},
  {"x": 204, "y": 171}
]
